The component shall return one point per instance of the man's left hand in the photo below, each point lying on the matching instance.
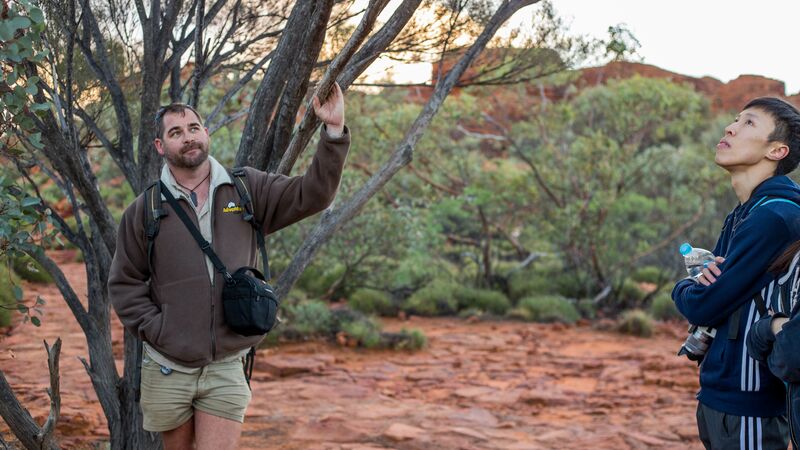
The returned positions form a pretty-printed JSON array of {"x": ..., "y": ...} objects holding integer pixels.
[{"x": 332, "y": 112}]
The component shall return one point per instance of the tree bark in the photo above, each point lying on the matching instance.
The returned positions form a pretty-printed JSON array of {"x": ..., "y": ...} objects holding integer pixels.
[
  {"x": 18, "y": 418},
  {"x": 355, "y": 66},
  {"x": 254, "y": 137}
]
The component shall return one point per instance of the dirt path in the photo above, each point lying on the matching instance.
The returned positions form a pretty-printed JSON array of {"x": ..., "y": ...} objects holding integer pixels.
[{"x": 477, "y": 386}]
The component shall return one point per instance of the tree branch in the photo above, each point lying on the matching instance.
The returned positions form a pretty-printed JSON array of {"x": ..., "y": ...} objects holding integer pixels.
[
  {"x": 355, "y": 66},
  {"x": 18, "y": 418},
  {"x": 333, "y": 219}
]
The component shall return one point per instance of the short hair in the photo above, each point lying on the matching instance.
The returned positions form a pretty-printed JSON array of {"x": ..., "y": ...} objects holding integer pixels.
[
  {"x": 172, "y": 108},
  {"x": 787, "y": 129}
]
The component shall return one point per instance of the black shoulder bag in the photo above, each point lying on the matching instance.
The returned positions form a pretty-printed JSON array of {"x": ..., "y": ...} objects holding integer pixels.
[{"x": 249, "y": 302}]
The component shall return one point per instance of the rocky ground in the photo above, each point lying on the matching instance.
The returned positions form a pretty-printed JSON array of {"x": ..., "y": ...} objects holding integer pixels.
[{"x": 479, "y": 385}]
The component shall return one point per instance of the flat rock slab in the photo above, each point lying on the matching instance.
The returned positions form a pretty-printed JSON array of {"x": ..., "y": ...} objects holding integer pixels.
[
  {"x": 285, "y": 365},
  {"x": 328, "y": 430},
  {"x": 399, "y": 432}
]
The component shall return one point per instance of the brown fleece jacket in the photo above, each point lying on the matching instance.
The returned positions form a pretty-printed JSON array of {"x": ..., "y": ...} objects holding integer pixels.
[{"x": 176, "y": 309}]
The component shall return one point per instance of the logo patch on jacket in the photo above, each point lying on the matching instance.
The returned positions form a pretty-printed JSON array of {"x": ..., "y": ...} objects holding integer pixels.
[{"x": 232, "y": 208}]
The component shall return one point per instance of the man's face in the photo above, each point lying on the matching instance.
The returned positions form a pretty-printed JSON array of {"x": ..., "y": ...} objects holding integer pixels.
[
  {"x": 185, "y": 140},
  {"x": 746, "y": 141}
]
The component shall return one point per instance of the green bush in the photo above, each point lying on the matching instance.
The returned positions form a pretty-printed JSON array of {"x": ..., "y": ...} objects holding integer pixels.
[
  {"x": 527, "y": 283},
  {"x": 546, "y": 308},
  {"x": 306, "y": 319},
  {"x": 435, "y": 299},
  {"x": 569, "y": 284},
  {"x": 364, "y": 330},
  {"x": 316, "y": 281},
  {"x": 629, "y": 293},
  {"x": 663, "y": 308},
  {"x": 636, "y": 322},
  {"x": 30, "y": 270},
  {"x": 372, "y": 301},
  {"x": 482, "y": 299},
  {"x": 414, "y": 340},
  {"x": 8, "y": 303},
  {"x": 470, "y": 312},
  {"x": 520, "y": 313},
  {"x": 587, "y": 308},
  {"x": 649, "y": 274}
]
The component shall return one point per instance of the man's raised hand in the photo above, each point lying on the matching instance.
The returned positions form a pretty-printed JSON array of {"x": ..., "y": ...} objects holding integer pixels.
[{"x": 332, "y": 112}]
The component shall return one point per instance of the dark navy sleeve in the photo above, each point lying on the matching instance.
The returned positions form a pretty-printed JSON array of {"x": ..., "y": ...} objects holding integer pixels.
[
  {"x": 784, "y": 359},
  {"x": 753, "y": 246},
  {"x": 760, "y": 339}
]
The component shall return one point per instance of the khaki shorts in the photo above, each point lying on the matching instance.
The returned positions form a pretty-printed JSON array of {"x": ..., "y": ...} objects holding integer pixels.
[{"x": 168, "y": 401}]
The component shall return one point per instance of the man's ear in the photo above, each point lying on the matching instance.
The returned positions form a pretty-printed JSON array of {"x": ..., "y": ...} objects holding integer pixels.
[
  {"x": 778, "y": 152},
  {"x": 159, "y": 146}
]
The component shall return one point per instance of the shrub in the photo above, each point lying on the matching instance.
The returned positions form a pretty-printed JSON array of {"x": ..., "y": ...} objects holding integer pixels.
[
  {"x": 30, "y": 270},
  {"x": 372, "y": 301},
  {"x": 547, "y": 308},
  {"x": 316, "y": 281},
  {"x": 364, "y": 330},
  {"x": 649, "y": 274},
  {"x": 663, "y": 308},
  {"x": 482, "y": 299},
  {"x": 307, "y": 319},
  {"x": 8, "y": 303},
  {"x": 527, "y": 283},
  {"x": 586, "y": 308},
  {"x": 435, "y": 299},
  {"x": 520, "y": 313},
  {"x": 636, "y": 322},
  {"x": 629, "y": 293},
  {"x": 470, "y": 312},
  {"x": 414, "y": 340},
  {"x": 568, "y": 284}
]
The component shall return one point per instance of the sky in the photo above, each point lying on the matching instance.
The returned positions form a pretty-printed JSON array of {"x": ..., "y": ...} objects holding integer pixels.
[{"x": 721, "y": 39}]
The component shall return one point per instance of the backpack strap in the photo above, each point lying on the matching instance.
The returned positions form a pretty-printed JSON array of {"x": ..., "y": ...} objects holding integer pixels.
[
  {"x": 153, "y": 214},
  {"x": 733, "y": 325},
  {"x": 238, "y": 175}
]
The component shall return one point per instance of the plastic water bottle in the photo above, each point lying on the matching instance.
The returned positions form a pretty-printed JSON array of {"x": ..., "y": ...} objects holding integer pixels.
[
  {"x": 700, "y": 338},
  {"x": 695, "y": 259}
]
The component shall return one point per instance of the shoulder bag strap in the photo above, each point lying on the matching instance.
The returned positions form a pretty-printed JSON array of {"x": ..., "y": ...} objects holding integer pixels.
[{"x": 204, "y": 245}]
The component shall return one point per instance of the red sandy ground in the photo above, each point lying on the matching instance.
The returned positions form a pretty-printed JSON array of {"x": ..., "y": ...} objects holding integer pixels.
[{"x": 482, "y": 385}]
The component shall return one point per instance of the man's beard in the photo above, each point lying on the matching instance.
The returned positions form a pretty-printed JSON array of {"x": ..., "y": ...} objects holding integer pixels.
[{"x": 183, "y": 160}]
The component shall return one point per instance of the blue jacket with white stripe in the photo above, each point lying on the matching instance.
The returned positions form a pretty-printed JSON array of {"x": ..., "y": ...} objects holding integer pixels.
[{"x": 755, "y": 233}]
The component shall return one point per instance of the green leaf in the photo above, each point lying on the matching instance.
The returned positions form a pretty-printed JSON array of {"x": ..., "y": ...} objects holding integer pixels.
[
  {"x": 17, "y": 293},
  {"x": 31, "y": 89},
  {"x": 11, "y": 77},
  {"x": 36, "y": 322},
  {"x": 40, "y": 300},
  {"x": 19, "y": 22},
  {"x": 6, "y": 34},
  {"x": 22, "y": 308},
  {"x": 36, "y": 15},
  {"x": 30, "y": 201},
  {"x": 35, "y": 140}
]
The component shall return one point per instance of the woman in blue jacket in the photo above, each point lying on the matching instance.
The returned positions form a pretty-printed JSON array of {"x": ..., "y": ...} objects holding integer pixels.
[{"x": 774, "y": 340}]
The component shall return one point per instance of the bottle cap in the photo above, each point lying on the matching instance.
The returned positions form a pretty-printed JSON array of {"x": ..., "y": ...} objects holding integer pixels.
[{"x": 685, "y": 249}]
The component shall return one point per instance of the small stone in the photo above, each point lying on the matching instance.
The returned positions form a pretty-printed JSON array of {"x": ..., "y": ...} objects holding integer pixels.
[{"x": 399, "y": 432}]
